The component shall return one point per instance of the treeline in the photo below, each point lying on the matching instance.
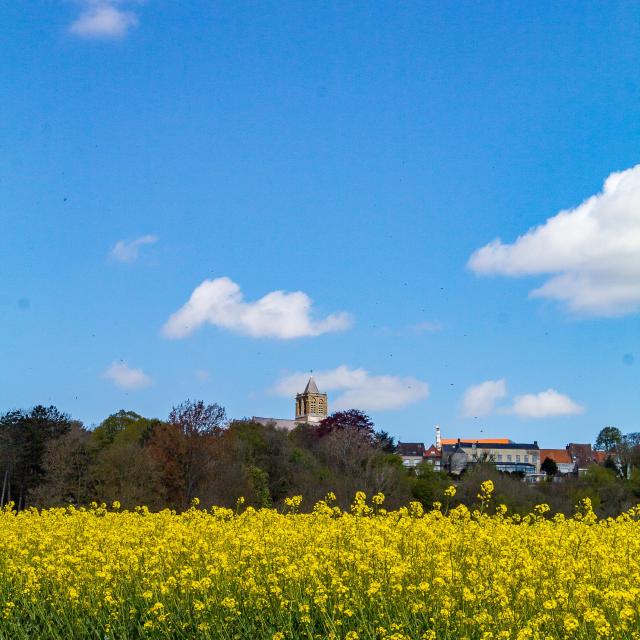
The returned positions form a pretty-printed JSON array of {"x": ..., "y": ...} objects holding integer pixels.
[
  {"x": 610, "y": 493},
  {"x": 49, "y": 459}
]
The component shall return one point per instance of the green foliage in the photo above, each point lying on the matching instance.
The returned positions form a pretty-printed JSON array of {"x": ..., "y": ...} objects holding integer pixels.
[
  {"x": 385, "y": 442},
  {"x": 123, "y": 425},
  {"x": 259, "y": 480},
  {"x": 427, "y": 485},
  {"x": 46, "y": 459},
  {"x": 24, "y": 437},
  {"x": 599, "y": 476},
  {"x": 608, "y": 439}
]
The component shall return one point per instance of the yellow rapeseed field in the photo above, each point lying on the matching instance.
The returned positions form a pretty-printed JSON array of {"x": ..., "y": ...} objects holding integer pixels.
[{"x": 366, "y": 573}]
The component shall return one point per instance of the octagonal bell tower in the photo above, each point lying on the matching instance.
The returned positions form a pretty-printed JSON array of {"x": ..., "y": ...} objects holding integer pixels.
[{"x": 311, "y": 405}]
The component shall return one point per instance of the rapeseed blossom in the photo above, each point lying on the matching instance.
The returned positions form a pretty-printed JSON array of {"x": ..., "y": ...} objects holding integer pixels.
[{"x": 363, "y": 573}]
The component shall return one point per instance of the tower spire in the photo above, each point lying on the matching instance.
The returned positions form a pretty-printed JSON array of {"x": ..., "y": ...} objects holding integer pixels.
[{"x": 311, "y": 405}]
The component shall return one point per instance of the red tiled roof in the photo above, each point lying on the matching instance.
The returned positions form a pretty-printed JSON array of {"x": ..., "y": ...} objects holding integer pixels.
[
  {"x": 412, "y": 449},
  {"x": 559, "y": 456}
]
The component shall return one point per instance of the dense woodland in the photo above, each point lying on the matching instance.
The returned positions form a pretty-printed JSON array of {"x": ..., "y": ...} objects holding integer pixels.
[{"x": 49, "y": 459}]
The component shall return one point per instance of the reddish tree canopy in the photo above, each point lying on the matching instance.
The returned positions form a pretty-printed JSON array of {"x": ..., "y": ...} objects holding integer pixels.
[{"x": 350, "y": 419}]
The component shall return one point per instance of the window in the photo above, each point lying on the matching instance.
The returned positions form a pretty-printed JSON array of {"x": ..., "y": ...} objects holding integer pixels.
[
  {"x": 508, "y": 457},
  {"x": 517, "y": 458},
  {"x": 499, "y": 457}
]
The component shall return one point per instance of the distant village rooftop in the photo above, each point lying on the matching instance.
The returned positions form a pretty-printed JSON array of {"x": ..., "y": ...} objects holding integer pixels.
[{"x": 454, "y": 455}]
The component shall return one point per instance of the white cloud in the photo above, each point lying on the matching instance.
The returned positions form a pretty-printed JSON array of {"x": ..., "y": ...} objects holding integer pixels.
[
  {"x": 543, "y": 405},
  {"x": 358, "y": 388},
  {"x": 125, "y": 377},
  {"x": 124, "y": 251},
  {"x": 276, "y": 315},
  {"x": 480, "y": 400},
  {"x": 591, "y": 253},
  {"x": 103, "y": 19},
  {"x": 202, "y": 374}
]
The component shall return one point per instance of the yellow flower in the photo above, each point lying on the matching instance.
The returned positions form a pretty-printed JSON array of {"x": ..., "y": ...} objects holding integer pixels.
[
  {"x": 293, "y": 502},
  {"x": 388, "y": 574},
  {"x": 571, "y": 624}
]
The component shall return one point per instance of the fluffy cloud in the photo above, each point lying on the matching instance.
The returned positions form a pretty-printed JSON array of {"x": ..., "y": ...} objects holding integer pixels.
[
  {"x": 358, "y": 388},
  {"x": 276, "y": 315},
  {"x": 103, "y": 19},
  {"x": 124, "y": 251},
  {"x": 543, "y": 405},
  {"x": 125, "y": 377},
  {"x": 591, "y": 254},
  {"x": 481, "y": 399}
]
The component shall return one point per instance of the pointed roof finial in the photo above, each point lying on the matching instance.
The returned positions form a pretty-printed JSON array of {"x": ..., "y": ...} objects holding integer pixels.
[{"x": 311, "y": 387}]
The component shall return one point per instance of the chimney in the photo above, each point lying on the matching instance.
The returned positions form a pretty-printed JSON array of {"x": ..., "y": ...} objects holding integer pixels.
[{"x": 438, "y": 438}]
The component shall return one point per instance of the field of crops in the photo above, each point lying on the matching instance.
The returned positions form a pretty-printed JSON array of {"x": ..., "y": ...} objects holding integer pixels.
[{"x": 367, "y": 573}]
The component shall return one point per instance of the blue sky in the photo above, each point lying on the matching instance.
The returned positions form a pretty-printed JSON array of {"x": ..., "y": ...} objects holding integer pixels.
[{"x": 360, "y": 153}]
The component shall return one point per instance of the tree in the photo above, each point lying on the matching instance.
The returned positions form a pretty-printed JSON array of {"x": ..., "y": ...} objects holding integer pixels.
[
  {"x": 66, "y": 464},
  {"x": 183, "y": 448},
  {"x": 608, "y": 439},
  {"x": 628, "y": 452},
  {"x": 385, "y": 442},
  {"x": 123, "y": 468},
  {"x": 632, "y": 439},
  {"x": 196, "y": 417},
  {"x": 549, "y": 466},
  {"x": 427, "y": 484},
  {"x": 268, "y": 449},
  {"x": 351, "y": 419},
  {"x": 610, "y": 464},
  {"x": 23, "y": 440},
  {"x": 136, "y": 426}
]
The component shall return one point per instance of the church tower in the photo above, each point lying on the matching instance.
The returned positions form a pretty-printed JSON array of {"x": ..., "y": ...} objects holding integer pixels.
[{"x": 311, "y": 405}]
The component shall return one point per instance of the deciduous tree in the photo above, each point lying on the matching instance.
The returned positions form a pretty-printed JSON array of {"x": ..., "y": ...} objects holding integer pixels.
[
  {"x": 608, "y": 439},
  {"x": 184, "y": 448},
  {"x": 23, "y": 440}
]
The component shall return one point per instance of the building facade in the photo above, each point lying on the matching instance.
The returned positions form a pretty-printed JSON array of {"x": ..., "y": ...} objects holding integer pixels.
[
  {"x": 412, "y": 453},
  {"x": 511, "y": 457}
]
